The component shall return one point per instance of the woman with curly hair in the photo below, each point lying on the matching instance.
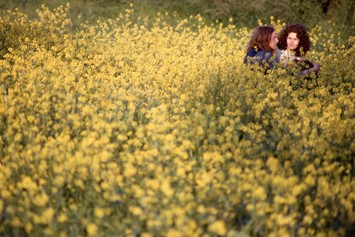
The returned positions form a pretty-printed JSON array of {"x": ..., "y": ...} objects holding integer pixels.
[
  {"x": 294, "y": 44},
  {"x": 262, "y": 47}
]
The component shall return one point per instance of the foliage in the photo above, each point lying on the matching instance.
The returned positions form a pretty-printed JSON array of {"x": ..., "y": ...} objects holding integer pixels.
[
  {"x": 155, "y": 129},
  {"x": 309, "y": 12},
  {"x": 335, "y": 14}
]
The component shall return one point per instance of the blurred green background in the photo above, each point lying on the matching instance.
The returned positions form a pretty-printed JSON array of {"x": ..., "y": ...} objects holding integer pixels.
[
  {"x": 337, "y": 13},
  {"x": 333, "y": 15}
]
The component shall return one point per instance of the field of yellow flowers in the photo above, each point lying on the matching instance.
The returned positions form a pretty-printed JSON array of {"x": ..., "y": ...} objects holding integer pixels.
[{"x": 154, "y": 129}]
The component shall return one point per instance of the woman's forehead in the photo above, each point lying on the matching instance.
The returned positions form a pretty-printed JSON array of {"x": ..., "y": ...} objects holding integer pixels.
[{"x": 292, "y": 34}]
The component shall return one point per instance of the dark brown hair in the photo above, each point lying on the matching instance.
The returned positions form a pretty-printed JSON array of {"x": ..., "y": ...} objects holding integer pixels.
[
  {"x": 302, "y": 35},
  {"x": 260, "y": 38}
]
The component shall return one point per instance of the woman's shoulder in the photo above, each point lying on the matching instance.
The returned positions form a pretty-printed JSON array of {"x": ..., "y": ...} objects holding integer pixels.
[
  {"x": 263, "y": 54},
  {"x": 252, "y": 52}
]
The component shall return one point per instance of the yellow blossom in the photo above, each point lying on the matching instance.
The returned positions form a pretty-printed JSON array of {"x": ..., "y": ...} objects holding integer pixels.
[
  {"x": 165, "y": 187},
  {"x": 92, "y": 229},
  {"x": 218, "y": 227},
  {"x": 47, "y": 215},
  {"x": 40, "y": 199},
  {"x": 136, "y": 210},
  {"x": 99, "y": 212},
  {"x": 62, "y": 218}
]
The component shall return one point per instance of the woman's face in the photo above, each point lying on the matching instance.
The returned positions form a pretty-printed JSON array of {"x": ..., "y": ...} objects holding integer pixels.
[
  {"x": 273, "y": 41},
  {"x": 292, "y": 41}
]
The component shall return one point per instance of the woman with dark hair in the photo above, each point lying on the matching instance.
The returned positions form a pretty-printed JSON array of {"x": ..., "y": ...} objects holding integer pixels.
[
  {"x": 262, "y": 46},
  {"x": 294, "y": 44}
]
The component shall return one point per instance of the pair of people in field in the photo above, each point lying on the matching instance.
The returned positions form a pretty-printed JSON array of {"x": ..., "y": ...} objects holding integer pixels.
[{"x": 268, "y": 49}]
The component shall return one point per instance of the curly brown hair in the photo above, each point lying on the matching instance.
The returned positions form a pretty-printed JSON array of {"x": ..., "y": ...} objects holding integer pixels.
[
  {"x": 260, "y": 38},
  {"x": 302, "y": 35}
]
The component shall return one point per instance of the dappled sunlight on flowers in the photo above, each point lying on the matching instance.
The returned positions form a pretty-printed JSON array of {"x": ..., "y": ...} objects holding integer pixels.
[{"x": 160, "y": 130}]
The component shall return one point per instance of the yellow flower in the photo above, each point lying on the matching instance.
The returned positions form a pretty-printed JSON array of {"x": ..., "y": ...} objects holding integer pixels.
[
  {"x": 259, "y": 193},
  {"x": 40, "y": 200},
  {"x": 129, "y": 171},
  {"x": 297, "y": 190},
  {"x": 28, "y": 227},
  {"x": 284, "y": 220},
  {"x": 218, "y": 227},
  {"x": 137, "y": 211},
  {"x": 166, "y": 188},
  {"x": 16, "y": 222},
  {"x": 47, "y": 215},
  {"x": 145, "y": 234},
  {"x": 59, "y": 181},
  {"x": 92, "y": 229},
  {"x": 152, "y": 184},
  {"x": 273, "y": 164},
  {"x": 174, "y": 233},
  {"x": 62, "y": 218},
  {"x": 99, "y": 212}
]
